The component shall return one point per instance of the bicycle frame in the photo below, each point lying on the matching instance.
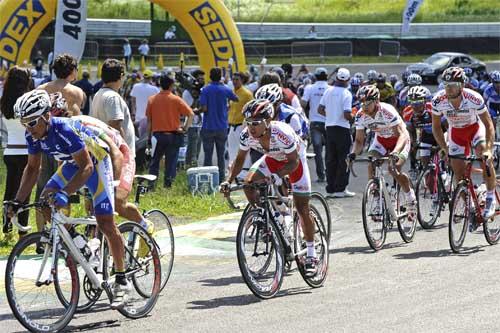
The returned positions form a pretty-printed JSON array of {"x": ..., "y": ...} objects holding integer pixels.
[{"x": 379, "y": 176}]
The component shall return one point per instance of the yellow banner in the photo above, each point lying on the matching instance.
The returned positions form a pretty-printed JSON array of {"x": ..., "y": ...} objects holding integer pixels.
[{"x": 21, "y": 24}]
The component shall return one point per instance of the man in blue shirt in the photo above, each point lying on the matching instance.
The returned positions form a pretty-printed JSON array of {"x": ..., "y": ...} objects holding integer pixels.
[{"x": 213, "y": 101}]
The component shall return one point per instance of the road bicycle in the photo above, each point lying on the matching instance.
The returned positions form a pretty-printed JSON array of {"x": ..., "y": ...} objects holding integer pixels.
[
  {"x": 265, "y": 239},
  {"x": 43, "y": 289},
  {"x": 433, "y": 189},
  {"x": 383, "y": 206},
  {"x": 467, "y": 206}
]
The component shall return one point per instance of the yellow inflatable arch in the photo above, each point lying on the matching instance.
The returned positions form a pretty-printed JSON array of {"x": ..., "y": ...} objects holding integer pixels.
[{"x": 208, "y": 23}]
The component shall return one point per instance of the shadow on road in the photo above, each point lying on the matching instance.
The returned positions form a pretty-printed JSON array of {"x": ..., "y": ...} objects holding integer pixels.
[
  {"x": 364, "y": 249},
  {"x": 225, "y": 281},
  {"x": 94, "y": 326},
  {"x": 440, "y": 253},
  {"x": 223, "y": 301},
  {"x": 434, "y": 228}
]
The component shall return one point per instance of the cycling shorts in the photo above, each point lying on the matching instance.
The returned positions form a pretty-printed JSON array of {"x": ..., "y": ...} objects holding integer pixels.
[
  {"x": 128, "y": 169},
  {"x": 300, "y": 178},
  {"x": 426, "y": 140},
  {"x": 385, "y": 146},
  {"x": 100, "y": 184},
  {"x": 461, "y": 139}
]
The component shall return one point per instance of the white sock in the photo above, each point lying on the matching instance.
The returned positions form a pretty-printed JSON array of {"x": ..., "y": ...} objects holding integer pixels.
[
  {"x": 410, "y": 196},
  {"x": 311, "y": 251},
  {"x": 490, "y": 194}
]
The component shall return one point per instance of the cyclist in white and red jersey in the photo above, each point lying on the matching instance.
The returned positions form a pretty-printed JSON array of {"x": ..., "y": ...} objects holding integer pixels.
[
  {"x": 284, "y": 154},
  {"x": 391, "y": 138},
  {"x": 469, "y": 125}
]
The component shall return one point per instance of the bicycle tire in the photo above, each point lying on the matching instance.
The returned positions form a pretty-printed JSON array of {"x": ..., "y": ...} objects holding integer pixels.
[
  {"x": 134, "y": 266},
  {"x": 422, "y": 187},
  {"x": 10, "y": 281},
  {"x": 491, "y": 227},
  {"x": 323, "y": 258},
  {"x": 166, "y": 242},
  {"x": 375, "y": 244},
  {"x": 272, "y": 242},
  {"x": 406, "y": 230},
  {"x": 456, "y": 244},
  {"x": 316, "y": 196}
]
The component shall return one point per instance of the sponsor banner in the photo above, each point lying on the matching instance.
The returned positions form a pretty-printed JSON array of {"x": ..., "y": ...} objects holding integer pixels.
[
  {"x": 409, "y": 14},
  {"x": 21, "y": 24},
  {"x": 71, "y": 27}
]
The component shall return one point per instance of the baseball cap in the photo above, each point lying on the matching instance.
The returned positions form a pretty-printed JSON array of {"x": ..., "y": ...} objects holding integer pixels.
[
  {"x": 148, "y": 73},
  {"x": 343, "y": 74},
  {"x": 320, "y": 70}
]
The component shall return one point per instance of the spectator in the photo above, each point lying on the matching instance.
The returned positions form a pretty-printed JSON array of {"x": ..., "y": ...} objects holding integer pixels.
[
  {"x": 88, "y": 89},
  {"x": 139, "y": 96},
  {"x": 312, "y": 32},
  {"x": 213, "y": 101},
  {"x": 38, "y": 64},
  {"x": 127, "y": 52},
  {"x": 336, "y": 105},
  {"x": 144, "y": 49},
  {"x": 235, "y": 116},
  {"x": 193, "y": 135},
  {"x": 163, "y": 113},
  {"x": 312, "y": 97},
  {"x": 15, "y": 156},
  {"x": 109, "y": 107},
  {"x": 170, "y": 33}
]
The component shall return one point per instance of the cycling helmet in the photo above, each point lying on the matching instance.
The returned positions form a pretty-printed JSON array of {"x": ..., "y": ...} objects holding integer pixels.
[
  {"x": 271, "y": 92},
  {"x": 372, "y": 75},
  {"x": 360, "y": 76},
  {"x": 468, "y": 71},
  {"x": 495, "y": 76},
  {"x": 454, "y": 74},
  {"x": 393, "y": 78},
  {"x": 368, "y": 93},
  {"x": 417, "y": 94},
  {"x": 381, "y": 77},
  {"x": 31, "y": 104},
  {"x": 414, "y": 80},
  {"x": 355, "y": 82},
  {"x": 258, "y": 108},
  {"x": 405, "y": 76},
  {"x": 59, "y": 106}
]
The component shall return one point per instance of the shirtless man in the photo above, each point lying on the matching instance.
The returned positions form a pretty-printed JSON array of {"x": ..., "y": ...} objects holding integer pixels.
[{"x": 66, "y": 68}]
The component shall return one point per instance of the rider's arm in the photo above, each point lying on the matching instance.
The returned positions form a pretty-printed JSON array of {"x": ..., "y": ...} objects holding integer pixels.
[
  {"x": 115, "y": 154},
  {"x": 403, "y": 136},
  {"x": 490, "y": 129},
  {"x": 359, "y": 141},
  {"x": 237, "y": 165},
  {"x": 85, "y": 169},
  {"x": 437, "y": 130},
  {"x": 291, "y": 164},
  {"x": 321, "y": 110},
  {"x": 30, "y": 176}
]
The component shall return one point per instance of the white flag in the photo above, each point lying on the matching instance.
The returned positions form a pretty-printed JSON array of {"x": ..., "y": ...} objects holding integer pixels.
[
  {"x": 71, "y": 27},
  {"x": 409, "y": 14}
]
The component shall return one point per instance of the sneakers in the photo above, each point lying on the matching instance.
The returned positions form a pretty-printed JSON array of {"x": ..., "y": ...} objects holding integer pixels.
[
  {"x": 489, "y": 207},
  {"x": 143, "y": 247},
  {"x": 344, "y": 194},
  {"x": 310, "y": 266},
  {"x": 120, "y": 295}
]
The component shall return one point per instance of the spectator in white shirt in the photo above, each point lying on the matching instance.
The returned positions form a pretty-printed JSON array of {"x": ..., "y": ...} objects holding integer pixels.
[
  {"x": 311, "y": 99},
  {"x": 336, "y": 105},
  {"x": 144, "y": 49},
  {"x": 127, "y": 52},
  {"x": 139, "y": 95}
]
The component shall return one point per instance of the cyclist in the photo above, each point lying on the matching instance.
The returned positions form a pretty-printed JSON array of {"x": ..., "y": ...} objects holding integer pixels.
[
  {"x": 469, "y": 125},
  {"x": 387, "y": 92},
  {"x": 473, "y": 82},
  {"x": 492, "y": 96},
  {"x": 412, "y": 80},
  {"x": 85, "y": 162},
  {"x": 284, "y": 153},
  {"x": 371, "y": 76},
  {"x": 391, "y": 138}
]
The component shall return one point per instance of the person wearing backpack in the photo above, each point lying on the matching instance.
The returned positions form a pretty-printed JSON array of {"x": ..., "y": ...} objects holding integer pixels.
[{"x": 336, "y": 106}]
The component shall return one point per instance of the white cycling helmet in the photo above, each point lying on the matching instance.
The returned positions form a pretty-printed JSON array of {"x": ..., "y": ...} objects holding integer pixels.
[
  {"x": 360, "y": 76},
  {"x": 271, "y": 92},
  {"x": 33, "y": 103},
  {"x": 495, "y": 77},
  {"x": 417, "y": 94},
  {"x": 414, "y": 79},
  {"x": 372, "y": 75}
]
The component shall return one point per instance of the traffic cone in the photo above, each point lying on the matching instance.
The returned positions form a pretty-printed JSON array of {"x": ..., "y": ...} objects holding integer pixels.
[
  {"x": 132, "y": 63},
  {"x": 99, "y": 68},
  {"x": 181, "y": 61},
  {"x": 89, "y": 69},
  {"x": 80, "y": 70},
  {"x": 143, "y": 64},
  {"x": 159, "y": 63}
]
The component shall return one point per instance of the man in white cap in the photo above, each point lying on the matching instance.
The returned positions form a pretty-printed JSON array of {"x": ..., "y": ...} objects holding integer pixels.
[{"x": 336, "y": 106}]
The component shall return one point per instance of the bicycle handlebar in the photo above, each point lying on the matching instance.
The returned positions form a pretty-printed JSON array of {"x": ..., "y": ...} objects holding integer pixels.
[{"x": 23, "y": 208}]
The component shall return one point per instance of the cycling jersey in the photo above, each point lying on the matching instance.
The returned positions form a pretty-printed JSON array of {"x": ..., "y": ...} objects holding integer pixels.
[
  {"x": 492, "y": 99},
  {"x": 382, "y": 124},
  {"x": 471, "y": 106},
  {"x": 295, "y": 119},
  {"x": 387, "y": 92},
  {"x": 422, "y": 121}
]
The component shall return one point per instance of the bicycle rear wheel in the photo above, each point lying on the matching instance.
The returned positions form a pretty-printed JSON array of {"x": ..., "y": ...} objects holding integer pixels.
[
  {"x": 164, "y": 238},
  {"x": 321, "y": 245},
  {"x": 322, "y": 207},
  {"x": 37, "y": 306},
  {"x": 373, "y": 212},
  {"x": 491, "y": 227},
  {"x": 260, "y": 254},
  {"x": 460, "y": 214},
  {"x": 406, "y": 225},
  {"x": 429, "y": 201}
]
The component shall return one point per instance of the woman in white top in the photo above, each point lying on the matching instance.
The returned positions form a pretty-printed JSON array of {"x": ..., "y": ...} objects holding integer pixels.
[{"x": 15, "y": 156}]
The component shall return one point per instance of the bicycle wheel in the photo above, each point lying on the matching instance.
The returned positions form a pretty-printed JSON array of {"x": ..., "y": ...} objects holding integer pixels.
[
  {"x": 460, "y": 213},
  {"x": 144, "y": 271},
  {"x": 373, "y": 212},
  {"x": 164, "y": 238},
  {"x": 34, "y": 302},
  {"x": 406, "y": 225},
  {"x": 260, "y": 255},
  {"x": 429, "y": 201},
  {"x": 321, "y": 245},
  {"x": 491, "y": 227},
  {"x": 321, "y": 205}
]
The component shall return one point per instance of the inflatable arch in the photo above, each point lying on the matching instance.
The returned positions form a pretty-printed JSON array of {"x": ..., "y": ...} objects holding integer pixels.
[{"x": 208, "y": 22}]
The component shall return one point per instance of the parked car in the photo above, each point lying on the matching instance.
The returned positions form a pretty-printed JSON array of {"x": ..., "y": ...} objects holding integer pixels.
[{"x": 431, "y": 68}]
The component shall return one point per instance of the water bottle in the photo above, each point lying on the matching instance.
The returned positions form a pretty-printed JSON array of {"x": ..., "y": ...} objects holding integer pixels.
[
  {"x": 94, "y": 244},
  {"x": 81, "y": 243}
]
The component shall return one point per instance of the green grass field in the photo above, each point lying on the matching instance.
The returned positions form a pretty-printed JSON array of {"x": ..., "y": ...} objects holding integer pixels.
[{"x": 328, "y": 11}]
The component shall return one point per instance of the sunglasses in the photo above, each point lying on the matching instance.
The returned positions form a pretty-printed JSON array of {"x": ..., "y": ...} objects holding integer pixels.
[
  {"x": 32, "y": 123},
  {"x": 453, "y": 84},
  {"x": 254, "y": 122},
  {"x": 366, "y": 104},
  {"x": 417, "y": 102}
]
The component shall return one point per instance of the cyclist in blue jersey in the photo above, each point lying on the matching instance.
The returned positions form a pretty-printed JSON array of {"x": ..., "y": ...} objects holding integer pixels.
[
  {"x": 85, "y": 161},
  {"x": 492, "y": 96}
]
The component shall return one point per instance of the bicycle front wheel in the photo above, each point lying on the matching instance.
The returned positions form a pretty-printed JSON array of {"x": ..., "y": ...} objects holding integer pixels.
[
  {"x": 407, "y": 225},
  {"x": 373, "y": 212},
  {"x": 164, "y": 238},
  {"x": 322, "y": 207},
  {"x": 260, "y": 255},
  {"x": 460, "y": 213},
  {"x": 29, "y": 284},
  {"x": 491, "y": 227},
  {"x": 429, "y": 201}
]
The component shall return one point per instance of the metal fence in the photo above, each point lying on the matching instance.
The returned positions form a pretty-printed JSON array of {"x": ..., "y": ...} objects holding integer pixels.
[{"x": 389, "y": 48}]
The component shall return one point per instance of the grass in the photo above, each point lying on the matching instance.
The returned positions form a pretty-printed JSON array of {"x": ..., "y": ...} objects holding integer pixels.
[
  {"x": 320, "y": 11},
  {"x": 177, "y": 202}
]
